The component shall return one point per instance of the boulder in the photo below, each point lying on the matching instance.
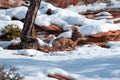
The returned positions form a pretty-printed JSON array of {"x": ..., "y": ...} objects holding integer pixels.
[
  {"x": 52, "y": 28},
  {"x": 86, "y": 2},
  {"x": 11, "y": 3},
  {"x": 66, "y": 3},
  {"x": 100, "y": 38},
  {"x": 62, "y": 3},
  {"x": 60, "y": 77}
]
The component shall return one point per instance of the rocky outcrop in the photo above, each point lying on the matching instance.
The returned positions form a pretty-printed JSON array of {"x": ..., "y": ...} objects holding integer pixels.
[
  {"x": 58, "y": 3},
  {"x": 100, "y": 39},
  {"x": 51, "y": 28},
  {"x": 62, "y": 3},
  {"x": 112, "y": 15},
  {"x": 66, "y": 3},
  {"x": 11, "y": 3},
  {"x": 60, "y": 77},
  {"x": 86, "y": 2}
]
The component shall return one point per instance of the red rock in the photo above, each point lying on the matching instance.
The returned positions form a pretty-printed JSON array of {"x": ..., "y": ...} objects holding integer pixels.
[
  {"x": 116, "y": 21},
  {"x": 63, "y": 3},
  {"x": 66, "y": 3},
  {"x": 60, "y": 77},
  {"x": 52, "y": 28},
  {"x": 100, "y": 38},
  {"x": 11, "y": 3},
  {"x": 116, "y": 15},
  {"x": 86, "y": 2}
]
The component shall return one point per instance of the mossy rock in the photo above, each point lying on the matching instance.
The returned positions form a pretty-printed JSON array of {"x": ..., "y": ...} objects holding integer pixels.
[{"x": 11, "y": 32}]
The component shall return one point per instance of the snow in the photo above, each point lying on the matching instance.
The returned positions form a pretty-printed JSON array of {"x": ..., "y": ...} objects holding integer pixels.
[
  {"x": 88, "y": 62},
  {"x": 103, "y": 17},
  {"x": 84, "y": 8},
  {"x": 104, "y": 14},
  {"x": 113, "y": 44},
  {"x": 42, "y": 43},
  {"x": 77, "y": 9},
  {"x": 17, "y": 40},
  {"x": 67, "y": 34},
  {"x": 115, "y": 4},
  {"x": 18, "y": 12},
  {"x": 60, "y": 17},
  {"x": 4, "y": 44},
  {"x": 4, "y": 17},
  {"x": 42, "y": 20},
  {"x": 57, "y": 71},
  {"x": 45, "y": 6},
  {"x": 95, "y": 7},
  {"x": 95, "y": 27}
]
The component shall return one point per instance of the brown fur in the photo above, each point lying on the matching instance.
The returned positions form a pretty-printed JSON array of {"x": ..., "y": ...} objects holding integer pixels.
[
  {"x": 64, "y": 43},
  {"x": 76, "y": 33}
]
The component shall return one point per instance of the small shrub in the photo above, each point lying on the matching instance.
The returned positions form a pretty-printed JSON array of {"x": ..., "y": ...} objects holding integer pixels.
[
  {"x": 11, "y": 31},
  {"x": 9, "y": 74}
]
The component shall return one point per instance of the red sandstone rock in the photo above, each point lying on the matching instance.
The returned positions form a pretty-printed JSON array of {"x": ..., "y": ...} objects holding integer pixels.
[
  {"x": 52, "y": 28},
  {"x": 86, "y": 2},
  {"x": 58, "y": 3},
  {"x": 11, "y": 3},
  {"x": 100, "y": 38},
  {"x": 63, "y": 3},
  {"x": 60, "y": 77},
  {"x": 66, "y": 3}
]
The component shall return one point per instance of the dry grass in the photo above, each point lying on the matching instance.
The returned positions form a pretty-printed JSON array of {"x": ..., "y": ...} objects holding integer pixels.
[{"x": 9, "y": 74}]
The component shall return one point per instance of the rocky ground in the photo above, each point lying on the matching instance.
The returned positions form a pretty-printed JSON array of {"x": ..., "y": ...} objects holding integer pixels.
[
  {"x": 100, "y": 39},
  {"x": 48, "y": 33}
]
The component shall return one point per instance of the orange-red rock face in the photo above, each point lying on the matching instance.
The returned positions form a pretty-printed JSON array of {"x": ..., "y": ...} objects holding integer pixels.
[
  {"x": 63, "y": 3},
  {"x": 58, "y": 3},
  {"x": 100, "y": 38},
  {"x": 11, "y": 3},
  {"x": 66, "y": 3},
  {"x": 90, "y": 1}
]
